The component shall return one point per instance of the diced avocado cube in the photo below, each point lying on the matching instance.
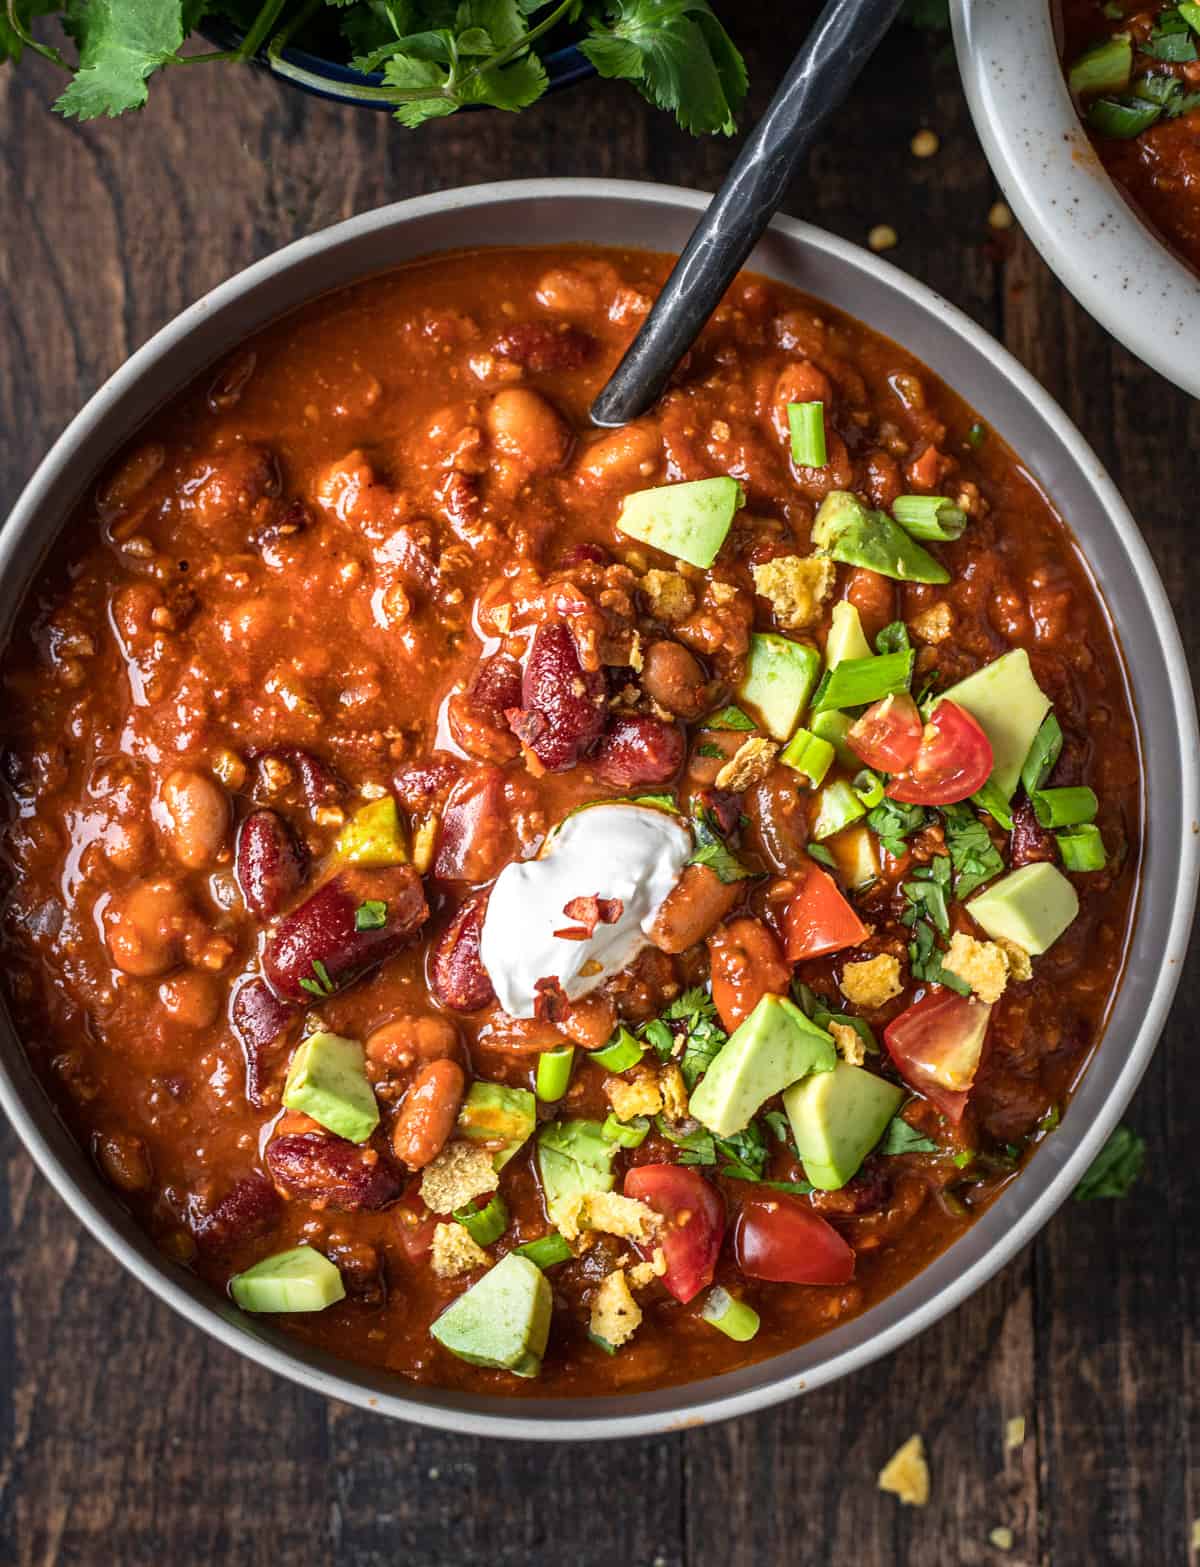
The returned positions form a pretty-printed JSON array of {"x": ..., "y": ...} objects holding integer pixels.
[
  {"x": 775, "y": 1047},
  {"x": 837, "y": 512},
  {"x": 574, "y": 1159},
  {"x": 779, "y": 680},
  {"x": 495, "y": 1113},
  {"x": 1009, "y": 705},
  {"x": 374, "y": 836},
  {"x": 502, "y": 1321},
  {"x": 834, "y": 727},
  {"x": 298, "y": 1280},
  {"x": 845, "y": 639},
  {"x": 837, "y": 807},
  {"x": 327, "y": 1080},
  {"x": 837, "y": 1118},
  {"x": 688, "y": 520},
  {"x": 856, "y": 854},
  {"x": 850, "y": 532},
  {"x": 1032, "y": 906}
]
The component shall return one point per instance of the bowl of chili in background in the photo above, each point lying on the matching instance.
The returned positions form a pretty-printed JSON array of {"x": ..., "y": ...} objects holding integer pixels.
[
  {"x": 1116, "y": 220},
  {"x": 1007, "y": 400}
]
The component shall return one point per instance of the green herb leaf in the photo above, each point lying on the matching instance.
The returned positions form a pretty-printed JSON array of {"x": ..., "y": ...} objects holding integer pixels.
[
  {"x": 729, "y": 718},
  {"x": 925, "y": 961},
  {"x": 894, "y": 822},
  {"x": 699, "y": 1146},
  {"x": 745, "y": 1154},
  {"x": 974, "y": 857},
  {"x": 703, "y": 1035},
  {"x": 371, "y": 915},
  {"x": 713, "y": 752},
  {"x": 900, "y": 1137},
  {"x": 1116, "y": 1169},
  {"x": 121, "y": 43},
  {"x": 926, "y": 891},
  {"x": 711, "y": 850}
]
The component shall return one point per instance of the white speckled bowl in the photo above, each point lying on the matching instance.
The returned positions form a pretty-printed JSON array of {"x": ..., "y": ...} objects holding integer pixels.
[{"x": 1097, "y": 245}]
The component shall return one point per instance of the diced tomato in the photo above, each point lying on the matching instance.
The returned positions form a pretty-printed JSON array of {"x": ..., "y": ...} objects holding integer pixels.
[
  {"x": 888, "y": 735},
  {"x": 746, "y": 966},
  {"x": 819, "y": 919},
  {"x": 954, "y": 759},
  {"x": 937, "y": 1044},
  {"x": 695, "y": 1228},
  {"x": 780, "y": 1239}
]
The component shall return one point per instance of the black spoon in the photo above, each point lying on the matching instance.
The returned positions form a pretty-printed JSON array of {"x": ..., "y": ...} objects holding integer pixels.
[{"x": 842, "y": 40}]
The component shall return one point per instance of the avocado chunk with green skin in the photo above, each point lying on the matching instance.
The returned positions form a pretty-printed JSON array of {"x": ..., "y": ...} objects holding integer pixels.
[
  {"x": 495, "y": 1113},
  {"x": 846, "y": 638},
  {"x": 574, "y": 1159},
  {"x": 689, "y": 521},
  {"x": 779, "y": 681},
  {"x": 502, "y": 1321},
  {"x": 327, "y": 1080},
  {"x": 775, "y": 1047},
  {"x": 837, "y": 1118},
  {"x": 851, "y": 533},
  {"x": 1008, "y": 705},
  {"x": 1032, "y": 907},
  {"x": 298, "y": 1280},
  {"x": 374, "y": 836}
]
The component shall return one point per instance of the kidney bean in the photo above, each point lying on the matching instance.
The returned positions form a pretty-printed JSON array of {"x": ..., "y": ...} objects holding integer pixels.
[
  {"x": 1030, "y": 841},
  {"x": 747, "y": 965},
  {"x": 674, "y": 678},
  {"x": 538, "y": 346},
  {"x": 476, "y": 838},
  {"x": 324, "y": 930},
  {"x": 263, "y": 1023},
  {"x": 269, "y": 863},
  {"x": 194, "y": 814},
  {"x": 585, "y": 554},
  {"x": 423, "y": 788},
  {"x": 476, "y": 715},
  {"x": 428, "y": 1113},
  {"x": 457, "y": 975},
  {"x": 639, "y": 750},
  {"x": 698, "y": 901},
  {"x": 319, "y": 1168},
  {"x": 863, "y": 1193},
  {"x": 563, "y": 705},
  {"x": 250, "y": 1208},
  {"x": 319, "y": 784}
]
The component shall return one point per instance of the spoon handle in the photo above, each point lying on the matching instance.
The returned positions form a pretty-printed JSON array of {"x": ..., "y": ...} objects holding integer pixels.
[{"x": 841, "y": 41}]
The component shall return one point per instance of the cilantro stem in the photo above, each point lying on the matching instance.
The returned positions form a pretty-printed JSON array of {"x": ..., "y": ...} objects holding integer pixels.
[
  {"x": 260, "y": 30},
  {"x": 47, "y": 51}
]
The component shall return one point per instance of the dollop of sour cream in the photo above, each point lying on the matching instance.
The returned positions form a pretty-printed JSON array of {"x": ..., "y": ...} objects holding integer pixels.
[{"x": 631, "y": 852}]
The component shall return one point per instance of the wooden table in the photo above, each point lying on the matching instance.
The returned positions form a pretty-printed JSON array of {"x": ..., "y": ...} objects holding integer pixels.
[{"x": 127, "y": 1438}]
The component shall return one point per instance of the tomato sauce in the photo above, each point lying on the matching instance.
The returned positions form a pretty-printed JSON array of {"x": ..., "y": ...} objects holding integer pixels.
[{"x": 318, "y": 581}]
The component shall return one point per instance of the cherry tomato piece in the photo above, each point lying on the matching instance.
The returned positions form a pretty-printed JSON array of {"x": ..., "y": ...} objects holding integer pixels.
[
  {"x": 780, "y": 1239},
  {"x": 937, "y": 1044},
  {"x": 819, "y": 920},
  {"x": 695, "y": 1227},
  {"x": 954, "y": 759},
  {"x": 746, "y": 966},
  {"x": 888, "y": 735}
]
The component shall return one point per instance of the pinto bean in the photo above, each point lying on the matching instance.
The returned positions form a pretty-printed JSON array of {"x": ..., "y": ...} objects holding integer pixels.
[
  {"x": 525, "y": 427},
  {"x": 591, "y": 1021},
  {"x": 675, "y": 679},
  {"x": 699, "y": 901},
  {"x": 563, "y": 705},
  {"x": 566, "y": 290},
  {"x": 124, "y": 1160},
  {"x": 190, "y": 999},
  {"x": 626, "y": 456},
  {"x": 800, "y": 382},
  {"x": 193, "y": 812},
  {"x": 405, "y": 1041},
  {"x": 747, "y": 964},
  {"x": 457, "y": 975},
  {"x": 639, "y": 750},
  {"x": 331, "y": 1172},
  {"x": 874, "y": 597},
  {"x": 324, "y": 930},
  {"x": 270, "y": 864},
  {"x": 428, "y": 1113},
  {"x": 145, "y": 928}
]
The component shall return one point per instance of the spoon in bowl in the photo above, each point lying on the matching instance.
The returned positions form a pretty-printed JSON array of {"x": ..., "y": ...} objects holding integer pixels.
[{"x": 840, "y": 43}]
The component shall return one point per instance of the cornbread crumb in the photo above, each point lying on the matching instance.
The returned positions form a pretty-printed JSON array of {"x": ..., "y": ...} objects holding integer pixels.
[
  {"x": 796, "y": 587},
  {"x": 906, "y": 1474},
  {"x": 873, "y": 982},
  {"x": 849, "y": 1043},
  {"x": 608, "y": 1212},
  {"x": 460, "y": 1173},
  {"x": 749, "y": 765},
  {"x": 1020, "y": 964},
  {"x": 883, "y": 237},
  {"x": 643, "y": 1273},
  {"x": 674, "y": 1092},
  {"x": 642, "y": 1096},
  {"x": 454, "y": 1252},
  {"x": 615, "y": 1315}
]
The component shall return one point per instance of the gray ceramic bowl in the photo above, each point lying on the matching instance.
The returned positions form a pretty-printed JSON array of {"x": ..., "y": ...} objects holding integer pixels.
[
  {"x": 659, "y": 217},
  {"x": 1091, "y": 238}
]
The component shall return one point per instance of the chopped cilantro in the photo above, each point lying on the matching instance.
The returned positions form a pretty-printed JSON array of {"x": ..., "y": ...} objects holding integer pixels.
[
  {"x": 925, "y": 960},
  {"x": 703, "y": 1036},
  {"x": 900, "y": 1137},
  {"x": 658, "y": 802},
  {"x": 893, "y": 822},
  {"x": 1049, "y": 1121},
  {"x": 1171, "y": 38},
  {"x": 728, "y": 718},
  {"x": 780, "y": 1126},
  {"x": 371, "y": 915},
  {"x": 893, "y": 639},
  {"x": 974, "y": 856},
  {"x": 321, "y": 985},
  {"x": 698, "y": 1146},
  {"x": 963, "y": 1157},
  {"x": 796, "y": 1188},
  {"x": 1116, "y": 1169},
  {"x": 711, "y": 849},
  {"x": 926, "y": 891},
  {"x": 745, "y": 1154},
  {"x": 713, "y": 752},
  {"x": 660, "y": 1038}
]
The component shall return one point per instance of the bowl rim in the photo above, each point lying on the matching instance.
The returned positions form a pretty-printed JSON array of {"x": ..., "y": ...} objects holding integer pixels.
[
  {"x": 998, "y": 1235},
  {"x": 1087, "y": 232}
]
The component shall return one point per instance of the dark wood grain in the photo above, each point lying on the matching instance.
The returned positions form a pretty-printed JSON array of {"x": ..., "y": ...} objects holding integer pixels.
[{"x": 126, "y": 1438}]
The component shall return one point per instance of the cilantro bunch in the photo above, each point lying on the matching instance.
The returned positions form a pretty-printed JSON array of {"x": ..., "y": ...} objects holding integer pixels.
[{"x": 434, "y": 56}]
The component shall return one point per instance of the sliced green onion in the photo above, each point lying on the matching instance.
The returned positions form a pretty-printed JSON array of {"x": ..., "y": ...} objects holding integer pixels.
[
  {"x": 554, "y": 1072},
  {"x": 963, "y": 1157},
  {"x": 837, "y": 808},
  {"x": 602, "y": 1343},
  {"x": 1043, "y": 753},
  {"x": 995, "y": 803},
  {"x": 929, "y": 517},
  {"x": 371, "y": 915},
  {"x": 728, "y": 718},
  {"x": 1104, "y": 68},
  {"x": 1122, "y": 118},
  {"x": 1065, "y": 807},
  {"x": 734, "y": 1318},
  {"x": 857, "y": 681},
  {"x": 546, "y": 1250},
  {"x": 807, "y": 424},
  {"x": 834, "y": 727},
  {"x": 621, "y": 1052},
  {"x": 1082, "y": 848},
  {"x": 868, "y": 786},
  {"x": 626, "y": 1134},
  {"x": 1190, "y": 12},
  {"x": 484, "y": 1225},
  {"x": 809, "y": 755},
  {"x": 977, "y": 434}
]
